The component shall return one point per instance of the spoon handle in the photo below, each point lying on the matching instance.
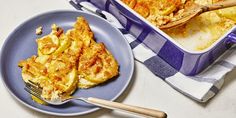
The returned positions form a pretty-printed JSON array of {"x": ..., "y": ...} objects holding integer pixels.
[
  {"x": 125, "y": 107},
  {"x": 219, "y": 5}
]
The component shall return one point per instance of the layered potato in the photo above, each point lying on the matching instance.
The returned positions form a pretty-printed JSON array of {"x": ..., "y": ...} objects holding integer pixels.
[
  {"x": 158, "y": 12},
  {"x": 67, "y": 61},
  {"x": 197, "y": 34},
  {"x": 96, "y": 66}
]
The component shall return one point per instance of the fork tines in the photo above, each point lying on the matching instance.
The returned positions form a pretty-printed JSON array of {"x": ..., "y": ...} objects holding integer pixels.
[{"x": 33, "y": 88}]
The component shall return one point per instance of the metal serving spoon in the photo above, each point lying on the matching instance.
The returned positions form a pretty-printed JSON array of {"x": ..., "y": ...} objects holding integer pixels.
[{"x": 196, "y": 10}]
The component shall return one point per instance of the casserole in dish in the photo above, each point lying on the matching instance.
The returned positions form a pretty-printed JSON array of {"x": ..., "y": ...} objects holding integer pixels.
[{"x": 188, "y": 54}]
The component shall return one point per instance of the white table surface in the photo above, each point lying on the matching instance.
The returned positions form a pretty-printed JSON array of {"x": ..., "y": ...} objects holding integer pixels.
[{"x": 145, "y": 90}]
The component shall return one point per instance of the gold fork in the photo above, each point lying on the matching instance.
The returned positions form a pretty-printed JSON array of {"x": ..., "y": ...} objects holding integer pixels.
[{"x": 35, "y": 90}]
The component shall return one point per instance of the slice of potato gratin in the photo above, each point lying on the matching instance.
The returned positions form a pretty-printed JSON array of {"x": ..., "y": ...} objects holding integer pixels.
[{"x": 66, "y": 61}]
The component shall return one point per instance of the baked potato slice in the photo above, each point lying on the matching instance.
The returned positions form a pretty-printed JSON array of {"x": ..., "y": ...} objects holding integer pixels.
[{"x": 97, "y": 64}]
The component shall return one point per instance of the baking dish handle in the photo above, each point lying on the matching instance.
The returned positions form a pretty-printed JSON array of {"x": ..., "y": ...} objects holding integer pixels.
[{"x": 231, "y": 38}]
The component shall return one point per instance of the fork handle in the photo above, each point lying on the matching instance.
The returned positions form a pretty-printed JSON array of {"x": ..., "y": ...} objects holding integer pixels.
[
  {"x": 125, "y": 107},
  {"x": 219, "y": 5}
]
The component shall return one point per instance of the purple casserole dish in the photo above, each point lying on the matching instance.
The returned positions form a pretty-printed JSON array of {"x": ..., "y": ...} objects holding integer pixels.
[{"x": 185, "y": 61}]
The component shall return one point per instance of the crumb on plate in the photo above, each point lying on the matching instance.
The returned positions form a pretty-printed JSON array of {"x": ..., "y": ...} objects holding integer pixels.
[{"x": 39, "y": 30}]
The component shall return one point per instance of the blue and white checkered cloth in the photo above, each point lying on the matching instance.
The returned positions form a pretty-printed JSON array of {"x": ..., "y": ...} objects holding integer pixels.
[{"x": 200, "y": 87}]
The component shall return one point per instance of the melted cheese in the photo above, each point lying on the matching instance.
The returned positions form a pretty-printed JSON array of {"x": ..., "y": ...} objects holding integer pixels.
[
  {"x": 204, "y": 30},
  {"x": 199, "y": 33},
  {"x": 61, "y": 59}
]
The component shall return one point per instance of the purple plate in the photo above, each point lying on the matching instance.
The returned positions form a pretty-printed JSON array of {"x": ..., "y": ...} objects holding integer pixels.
[{"x": 21, "y": 44}]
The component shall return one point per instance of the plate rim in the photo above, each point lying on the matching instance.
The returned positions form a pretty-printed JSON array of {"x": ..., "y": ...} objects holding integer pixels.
[{"x": 54, "y": 113}]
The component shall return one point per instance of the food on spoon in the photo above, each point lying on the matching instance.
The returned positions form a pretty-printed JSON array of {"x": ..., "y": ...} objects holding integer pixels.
[
  {"x": 63, "y": 58},
  {"x": 204, "y": 30}
]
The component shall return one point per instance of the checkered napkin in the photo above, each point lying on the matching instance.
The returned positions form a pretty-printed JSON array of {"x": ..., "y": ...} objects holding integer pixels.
[{"x": 200, "y": 87}]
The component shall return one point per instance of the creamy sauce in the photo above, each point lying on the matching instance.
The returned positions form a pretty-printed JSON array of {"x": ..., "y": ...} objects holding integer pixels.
[{"x": 202, "y": 31}]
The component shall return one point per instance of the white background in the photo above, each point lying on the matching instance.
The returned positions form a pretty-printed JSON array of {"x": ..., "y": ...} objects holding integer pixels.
[{"x": 145, "y": 90}]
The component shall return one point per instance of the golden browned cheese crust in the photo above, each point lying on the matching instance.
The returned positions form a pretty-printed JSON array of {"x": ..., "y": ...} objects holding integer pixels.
[
  {"x": 96, "y": 65},
  {"x": 64, "y": 58},
  {"x": 158, "y": 12}
]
